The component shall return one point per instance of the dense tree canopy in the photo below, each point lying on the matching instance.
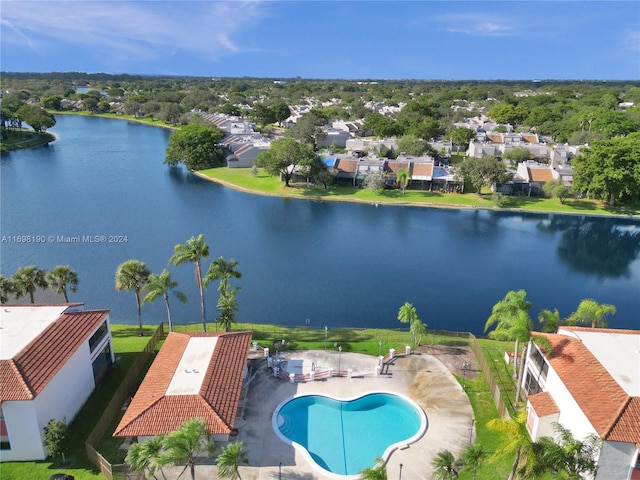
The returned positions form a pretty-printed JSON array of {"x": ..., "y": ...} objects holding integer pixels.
[
  {"x": 284, "y": 156},
  {"x": 609, "y": 169},
  {"x": 197, "y": 146},
  {"x": 480, "y": 172},
  {"x": 36, "y": 116}
]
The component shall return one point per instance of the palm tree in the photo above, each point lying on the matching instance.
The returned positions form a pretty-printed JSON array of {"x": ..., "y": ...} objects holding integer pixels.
[
  {"x": 6, "y": 289},
  {"x": 228, "y": 307},
  {"x": 193, "y": 252},
  {"x": 184, "y": 445},
  {"x": 222, "y": 270},
  {"x": 230, "y": 459},
  {"x": 591, "y": 312},
  {"x": 579, "y": 455},
  {"x": 512, "y": 320},
  {"x": 407, "y": 313},
  {"x": 517, "y": 441},
  {"x": 550, "y": 320},
  {"x": 133, "y": 275},
  {"x": 147, "y": 455},
  {"x": 443, "y": 465},
  {"x": 27, "y": 279},
  {"x": 472, "y": 457},
  {"x": 61, "y": 276},
  {"x": 159, "y": 285},
  {"x": 403, "y": 177},
  {"x": 378, "y": 472}
]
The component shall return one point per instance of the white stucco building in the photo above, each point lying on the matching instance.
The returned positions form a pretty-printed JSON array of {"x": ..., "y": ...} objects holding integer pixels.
[
  {"x": 51, "y": 357},
  {"x": 589, "y": 383}
]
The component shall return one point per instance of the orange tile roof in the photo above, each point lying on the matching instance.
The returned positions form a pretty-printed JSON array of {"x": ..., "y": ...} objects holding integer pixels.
[
  {"x": 347, "y": 165},
  {"x": 597, "y": 394},
  {"x": 395, "y": 167},
  {"x": 25, "y": 375},
  {"x": 627, "y": 426},
  {"x": 151, "y": 412},
  {"x": 422, "y": 169},
  {"x": 495, "y": 137},
  {"x": 540, "y": 174},
  {"x": 543, "y": 404}
]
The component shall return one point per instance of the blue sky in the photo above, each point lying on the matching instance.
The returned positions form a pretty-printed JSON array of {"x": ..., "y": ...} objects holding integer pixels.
[{"x": 467, "y": 40}]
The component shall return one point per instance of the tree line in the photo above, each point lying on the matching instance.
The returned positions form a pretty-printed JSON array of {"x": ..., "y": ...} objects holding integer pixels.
[
  {"x": 27, "y": 280},
  {"x": 135, "y": 276}
]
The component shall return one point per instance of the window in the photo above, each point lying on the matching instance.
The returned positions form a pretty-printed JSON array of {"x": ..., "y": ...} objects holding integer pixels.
[
  {"x": 531, "y": 384},
  {"x": 540, "y": 362},
  {"x": 4, "y": 435},
  {"x": 98, "y": 336},
  {"x": 101, "y": 363}
]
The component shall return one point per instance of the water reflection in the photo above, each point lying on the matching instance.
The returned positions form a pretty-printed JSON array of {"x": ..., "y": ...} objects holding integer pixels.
[{"x": 601, "y": 247}]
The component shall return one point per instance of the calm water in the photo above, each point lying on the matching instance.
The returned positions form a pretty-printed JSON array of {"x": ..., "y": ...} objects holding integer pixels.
[{"x": 334, "y": 264}]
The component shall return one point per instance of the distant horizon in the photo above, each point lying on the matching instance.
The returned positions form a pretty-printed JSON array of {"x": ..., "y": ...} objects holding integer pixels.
[
  {"x": 349, "y": 40},
  {"x": 362, "y": 80}
]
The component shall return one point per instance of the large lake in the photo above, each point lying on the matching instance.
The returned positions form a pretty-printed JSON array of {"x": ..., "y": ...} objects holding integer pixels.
[{"x": 335, "y": 264}]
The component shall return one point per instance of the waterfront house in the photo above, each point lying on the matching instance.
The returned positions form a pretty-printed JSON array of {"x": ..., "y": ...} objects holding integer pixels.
[
  {"x": 589, "y": 382},
  {"x": 193, "y": 375},
  {"x": 51, "y": 358}
]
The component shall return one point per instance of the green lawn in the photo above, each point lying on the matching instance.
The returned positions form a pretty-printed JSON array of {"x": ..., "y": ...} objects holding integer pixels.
[
  {"x": 502, "y": 373},
  {"x": 264, "y": 184},
  {"x": 127, "y": 345},
  {"x": 19, "y": 139}
]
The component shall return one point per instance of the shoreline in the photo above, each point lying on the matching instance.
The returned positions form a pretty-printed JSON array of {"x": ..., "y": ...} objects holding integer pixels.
[
  {"x": 352, "y": 200},
  {"x": 448, "y": 206}
]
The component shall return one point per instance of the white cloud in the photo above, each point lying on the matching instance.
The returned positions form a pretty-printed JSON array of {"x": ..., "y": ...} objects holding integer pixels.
[
  {"x": 479, "y": 25},
  {"x": 140, "y": 30},
  {"x": 632, "y": 41}
]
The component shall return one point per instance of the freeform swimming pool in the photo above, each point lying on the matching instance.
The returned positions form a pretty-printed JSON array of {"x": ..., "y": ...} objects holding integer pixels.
[{"x": 345, "y": 436}]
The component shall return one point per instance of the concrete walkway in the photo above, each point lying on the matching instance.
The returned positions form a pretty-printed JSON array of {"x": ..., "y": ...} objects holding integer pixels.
[{"x": 418, "y": 376}]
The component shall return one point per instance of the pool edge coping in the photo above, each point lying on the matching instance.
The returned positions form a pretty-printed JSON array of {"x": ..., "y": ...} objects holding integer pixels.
[{"x": 424, "y": 424}]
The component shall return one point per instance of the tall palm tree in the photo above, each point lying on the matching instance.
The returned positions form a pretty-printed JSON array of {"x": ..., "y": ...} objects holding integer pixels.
[
  {"x": 147, "y": 455},
  {"x": 193, "y": 252},
  {"x": 228, "y": 307},
  {"x": 443, "y": 465},
  {"x": 133, "y": 275},
  {"x": 407, "y": 313},
  {"x": 550, "y": 320},
  {"x": 6, "y": 289},
  {"x": 472, "y": 457},
  {"x": 230, "y": 459},
  {"x": 184, "y": 445},
  {"x": 61, "y": 276},
  {"x": 591, "y": 312},
  {"x": 377, "y": 472},
  {"x": 223, "y": 270},
  {"x": 160, "y": 285},
  {"x": 512, "y": 320},
  {"x": 403, "y": 177},
  {"x": 27, "y": 279}
]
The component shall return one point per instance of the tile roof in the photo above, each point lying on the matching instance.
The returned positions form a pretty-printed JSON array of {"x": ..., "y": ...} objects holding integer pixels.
[
  {"x": 151, "y": 412},
  {"x": 395, "y": 167},
  {"x": 347, "y": 166},
  {"x": 422, "y": 169},
  {"x": 627, "y": 427},
  {"x": 540, "y": 174},
  {"x": 597, "y": 394},
  {"x": 25, "y": 375},
  {"x": 543, "y": 404}
]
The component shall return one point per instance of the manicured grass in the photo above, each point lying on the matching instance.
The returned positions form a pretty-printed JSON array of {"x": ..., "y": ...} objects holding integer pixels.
[
  {"x": 262, "y": 183},
  {"x": 502, "y": 373},
  {"x": 127, "y": 345},
  {"x": 19, "y": 139}
]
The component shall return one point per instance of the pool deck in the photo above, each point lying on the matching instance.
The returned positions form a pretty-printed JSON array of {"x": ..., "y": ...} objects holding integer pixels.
[{"x": 420, "y": 377}]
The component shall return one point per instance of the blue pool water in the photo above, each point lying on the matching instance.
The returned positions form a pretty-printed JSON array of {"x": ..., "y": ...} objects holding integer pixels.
[{"x": 343, "y": 437}]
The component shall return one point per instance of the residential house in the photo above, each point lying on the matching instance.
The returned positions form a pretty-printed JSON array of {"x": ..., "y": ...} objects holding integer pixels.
[
  {"x": 193, "y": 375},
  {"x": 334, "y": 136},
  {"x": 51, "y": 358},
  {"x": 244, "y": 149},
  {"x": 589, "y": 382}
]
